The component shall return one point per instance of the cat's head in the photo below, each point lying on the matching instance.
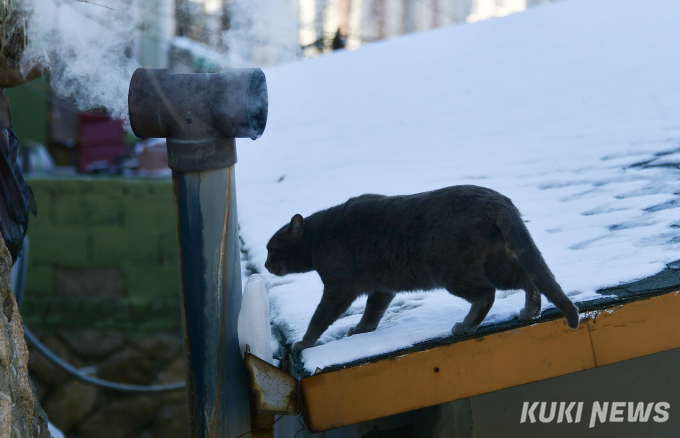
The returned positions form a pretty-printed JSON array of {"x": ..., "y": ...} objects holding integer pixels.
[{"x": 284, "y": 250}]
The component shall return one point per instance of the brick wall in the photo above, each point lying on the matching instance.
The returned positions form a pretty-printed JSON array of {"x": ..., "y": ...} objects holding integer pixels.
[{"x": 102, "y": 238}]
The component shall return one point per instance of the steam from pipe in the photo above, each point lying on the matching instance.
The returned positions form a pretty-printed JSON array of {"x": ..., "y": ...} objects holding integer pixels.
[
  {"x": 262, "y": 32},
  {"x": 89, "y": 45},
  {"x": 85, "y": 45}
]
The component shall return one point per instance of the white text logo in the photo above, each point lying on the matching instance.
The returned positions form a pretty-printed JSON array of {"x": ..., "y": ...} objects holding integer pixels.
[{"x": 614, "y": 412}]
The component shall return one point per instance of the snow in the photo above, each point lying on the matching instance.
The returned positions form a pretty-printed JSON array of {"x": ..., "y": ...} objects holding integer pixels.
[
  {"x": 56, "y": 433},
  {"x": 556, "y": 108},
  {"x": 254, "y": 330}
]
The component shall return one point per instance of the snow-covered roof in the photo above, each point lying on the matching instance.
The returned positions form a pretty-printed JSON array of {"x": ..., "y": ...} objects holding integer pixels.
[{"x": 570, "y": 109}]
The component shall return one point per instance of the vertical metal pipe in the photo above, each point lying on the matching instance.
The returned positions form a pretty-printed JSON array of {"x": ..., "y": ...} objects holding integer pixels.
[
  {"x": 200, "y": 115},
  {"x": 209, "y": 256}
]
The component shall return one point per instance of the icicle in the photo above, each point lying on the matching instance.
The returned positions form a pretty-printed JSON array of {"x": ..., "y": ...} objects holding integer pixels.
[{"x": 253, "y": 320}]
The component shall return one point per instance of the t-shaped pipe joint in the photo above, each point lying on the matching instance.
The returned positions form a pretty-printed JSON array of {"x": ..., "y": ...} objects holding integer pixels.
[{"x": 200, "y": 114}]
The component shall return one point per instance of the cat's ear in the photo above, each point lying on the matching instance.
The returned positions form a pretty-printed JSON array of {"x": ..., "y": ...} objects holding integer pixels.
[{"x": 295, "y": 228}]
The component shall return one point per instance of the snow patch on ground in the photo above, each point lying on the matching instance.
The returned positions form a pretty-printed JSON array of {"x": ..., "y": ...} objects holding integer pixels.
[{"x": 569, "y": 109}]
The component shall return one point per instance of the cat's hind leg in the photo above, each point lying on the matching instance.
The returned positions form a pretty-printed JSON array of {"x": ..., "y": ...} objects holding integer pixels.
[
  {"x": 504, "y": 272},
  {"x": 532, "y": 304},
  {"x": 376, "y": 305},
  {"x": 481, "y": 295},
  {"x": 334, "y": 302}
]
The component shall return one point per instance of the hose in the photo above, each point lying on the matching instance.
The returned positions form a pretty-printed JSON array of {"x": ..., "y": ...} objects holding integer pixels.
[
  {"x": 18, "y": 286},
  {"x": 74, "y": 372}
]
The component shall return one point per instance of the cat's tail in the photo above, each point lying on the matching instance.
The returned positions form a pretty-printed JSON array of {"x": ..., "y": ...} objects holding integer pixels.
[{"x": 518, "y": 238}]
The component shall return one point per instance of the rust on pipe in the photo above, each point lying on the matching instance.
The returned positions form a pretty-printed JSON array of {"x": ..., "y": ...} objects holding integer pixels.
[{"x": 209, "y": 258}]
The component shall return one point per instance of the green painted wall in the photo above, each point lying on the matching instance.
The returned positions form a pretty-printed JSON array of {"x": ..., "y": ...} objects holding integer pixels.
[{"x": 85, "y": 226}]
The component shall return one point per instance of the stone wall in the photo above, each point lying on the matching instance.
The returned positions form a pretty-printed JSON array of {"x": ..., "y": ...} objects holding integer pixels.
[
  {"x": 20, "y": 411},
  {"x": 85, "y": 411}
]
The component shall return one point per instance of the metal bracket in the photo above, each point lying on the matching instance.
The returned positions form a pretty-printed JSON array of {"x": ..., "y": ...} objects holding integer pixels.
[{"x": 275, "y": 391}]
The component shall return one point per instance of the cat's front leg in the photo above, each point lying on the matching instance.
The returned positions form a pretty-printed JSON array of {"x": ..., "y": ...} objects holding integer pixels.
[
  {"x": 334, "y": 302},
  {"x": 375, "y": 309},
  {"x": 302, "y": 345}
]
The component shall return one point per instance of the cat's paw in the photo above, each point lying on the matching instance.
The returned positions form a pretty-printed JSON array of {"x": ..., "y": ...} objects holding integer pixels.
[
  {"x": 572, "y": 317},
  {"x": 356, "y": 330},
  {"x": 526, "y": 315},
  {"x": 300, "y": 345},
  {"x": 462, "y": 329}
]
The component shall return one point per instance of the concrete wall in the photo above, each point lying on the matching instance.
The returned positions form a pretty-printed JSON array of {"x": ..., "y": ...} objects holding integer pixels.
[
  {"x": 101, "y": 238},
  {"x": 649, "y": 379}
]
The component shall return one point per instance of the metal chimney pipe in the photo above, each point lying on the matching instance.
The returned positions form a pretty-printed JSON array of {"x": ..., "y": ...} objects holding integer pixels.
[{"x": 201, "y": 115}]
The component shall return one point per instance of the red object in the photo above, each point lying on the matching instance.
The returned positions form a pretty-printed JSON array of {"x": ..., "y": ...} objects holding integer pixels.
[{"x": 101, "y": 142}]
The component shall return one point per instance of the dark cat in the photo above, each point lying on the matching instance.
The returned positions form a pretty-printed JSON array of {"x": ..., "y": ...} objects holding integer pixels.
[{"x": 467, "y": 239}]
